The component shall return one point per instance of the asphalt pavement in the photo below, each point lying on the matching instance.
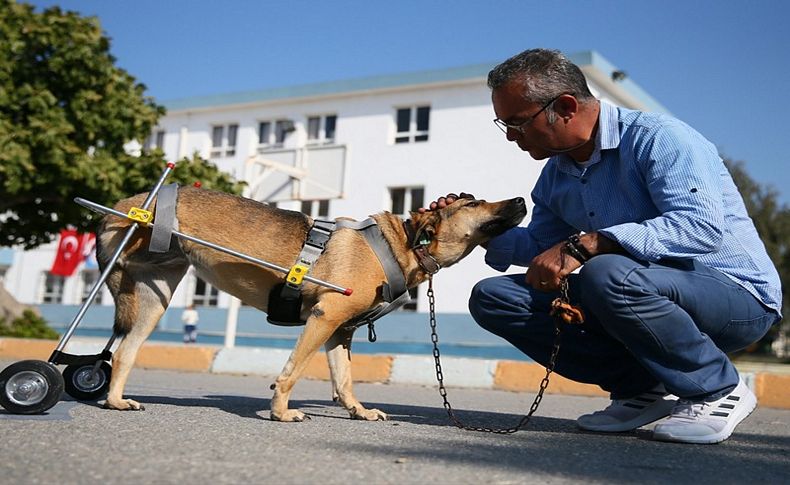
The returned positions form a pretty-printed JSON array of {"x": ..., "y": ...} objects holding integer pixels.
[{"x": 208, "y": 428}]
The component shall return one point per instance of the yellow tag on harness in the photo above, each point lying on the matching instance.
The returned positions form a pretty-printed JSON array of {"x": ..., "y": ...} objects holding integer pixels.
[
  {"x": 140, "y": 215},
  {"x": 298, "y": 271}
]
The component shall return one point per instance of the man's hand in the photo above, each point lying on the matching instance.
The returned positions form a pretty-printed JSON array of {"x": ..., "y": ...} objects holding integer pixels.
[
  {"x": 548, "y": 268},
  {"x": 443, "y": 202}
]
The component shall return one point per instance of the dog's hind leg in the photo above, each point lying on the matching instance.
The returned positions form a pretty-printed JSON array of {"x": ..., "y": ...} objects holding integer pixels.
[
  {"x": 320, "y": 327},
  {"x": 338, "y": 353},
  {"x": 142, "y": 295}
]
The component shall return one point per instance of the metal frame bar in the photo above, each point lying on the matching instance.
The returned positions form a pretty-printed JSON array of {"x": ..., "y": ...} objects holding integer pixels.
[{"x": 106, "y": 210}]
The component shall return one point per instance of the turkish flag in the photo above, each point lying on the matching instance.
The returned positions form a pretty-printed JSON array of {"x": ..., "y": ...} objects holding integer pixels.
[{"x": 70, "y": 251}]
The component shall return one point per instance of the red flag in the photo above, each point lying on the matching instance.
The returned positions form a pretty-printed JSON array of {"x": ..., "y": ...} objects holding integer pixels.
[{"x": 70, "y": 253}]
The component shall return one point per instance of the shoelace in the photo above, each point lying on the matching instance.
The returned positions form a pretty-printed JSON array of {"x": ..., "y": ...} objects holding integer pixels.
[{"x": 688, "y": 409}]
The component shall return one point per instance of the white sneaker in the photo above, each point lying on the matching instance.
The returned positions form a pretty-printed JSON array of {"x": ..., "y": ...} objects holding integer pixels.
[
  {"x": 707, "y": 422},
  {"x": 628, "y": 414}
]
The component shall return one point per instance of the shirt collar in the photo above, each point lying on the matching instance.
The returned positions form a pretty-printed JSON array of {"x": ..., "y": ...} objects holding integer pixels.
[
  {"x": 607, "y": 137},
  {"x": 608, "y": 127}
]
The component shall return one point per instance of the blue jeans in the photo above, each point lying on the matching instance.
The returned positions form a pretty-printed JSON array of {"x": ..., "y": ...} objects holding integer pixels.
[{"x": 670, "y": 322}]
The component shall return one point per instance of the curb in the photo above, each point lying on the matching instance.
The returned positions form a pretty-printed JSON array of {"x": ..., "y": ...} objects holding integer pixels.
[{"x": 771, "y": 384}]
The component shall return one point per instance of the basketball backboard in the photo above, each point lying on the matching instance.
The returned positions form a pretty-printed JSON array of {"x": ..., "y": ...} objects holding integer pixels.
[{"x": 305, "y": 173}]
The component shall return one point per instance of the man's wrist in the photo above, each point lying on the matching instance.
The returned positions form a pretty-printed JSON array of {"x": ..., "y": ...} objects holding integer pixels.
[{"x": 596, "y": 243}]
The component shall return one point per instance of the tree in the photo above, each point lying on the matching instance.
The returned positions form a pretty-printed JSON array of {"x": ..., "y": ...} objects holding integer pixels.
[
  {"x": 772, "y": 221},
  {"x": 67, "y": 112}
]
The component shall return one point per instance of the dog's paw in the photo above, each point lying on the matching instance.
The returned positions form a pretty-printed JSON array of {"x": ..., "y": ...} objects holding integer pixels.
[
  {"x": 368, "y": 414},
  {"x": 124, "y": 405},
  {"x": 290, "y": 416}
]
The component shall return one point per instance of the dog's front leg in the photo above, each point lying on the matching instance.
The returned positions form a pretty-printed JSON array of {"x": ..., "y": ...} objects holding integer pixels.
[
  {"x": 338, "y": 353},
  {"x": 317, "y": 331}
]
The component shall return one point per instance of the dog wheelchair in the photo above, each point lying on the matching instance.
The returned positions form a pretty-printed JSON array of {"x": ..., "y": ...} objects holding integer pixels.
[{"x": 35, "y": 386}]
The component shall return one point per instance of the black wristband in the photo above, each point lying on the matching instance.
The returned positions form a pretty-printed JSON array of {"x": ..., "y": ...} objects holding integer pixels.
[
  {"x": 576, "y": 242},
  {"x": 575, "y": 254}
]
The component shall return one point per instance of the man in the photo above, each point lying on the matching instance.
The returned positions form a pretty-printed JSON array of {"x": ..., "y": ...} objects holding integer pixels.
[{"x": 672, "y": 273}]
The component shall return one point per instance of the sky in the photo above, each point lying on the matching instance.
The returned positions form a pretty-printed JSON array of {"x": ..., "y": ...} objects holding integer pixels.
[{"x": 721, "y": 66}]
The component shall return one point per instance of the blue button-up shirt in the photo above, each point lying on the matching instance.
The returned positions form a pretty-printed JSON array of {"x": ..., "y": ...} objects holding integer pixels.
[{"x": 658, "y": 188}]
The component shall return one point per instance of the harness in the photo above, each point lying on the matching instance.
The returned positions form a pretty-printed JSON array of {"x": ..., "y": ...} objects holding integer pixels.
[{"x": 285, "y": 299}]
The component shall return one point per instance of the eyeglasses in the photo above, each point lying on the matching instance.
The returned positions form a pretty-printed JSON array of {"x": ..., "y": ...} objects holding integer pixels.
[{"x": 520, "y": 126}]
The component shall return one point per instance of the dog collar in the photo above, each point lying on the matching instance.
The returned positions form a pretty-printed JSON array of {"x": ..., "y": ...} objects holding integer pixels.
[{"x": 419, "y": 246}]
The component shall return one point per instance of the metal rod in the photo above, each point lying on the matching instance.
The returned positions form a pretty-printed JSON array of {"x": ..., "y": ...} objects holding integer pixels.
[
  {"x": 87, "y": 303},
  {"x": 106, "y": 210},
  {"x": 103, "y": 277}
]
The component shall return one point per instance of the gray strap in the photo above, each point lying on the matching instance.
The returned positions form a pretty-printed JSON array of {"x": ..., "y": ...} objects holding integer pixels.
[
  {"x": 396, "y": 282},
  {"x": 395, "y": 286},
  {"x": 165, "y": 219},
  {"x": 314, "y": 246},
  {"x": 356, "y": 225}
]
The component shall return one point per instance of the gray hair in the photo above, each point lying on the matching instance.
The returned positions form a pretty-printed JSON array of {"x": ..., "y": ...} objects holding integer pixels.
[{"x": 545, "y": 74}]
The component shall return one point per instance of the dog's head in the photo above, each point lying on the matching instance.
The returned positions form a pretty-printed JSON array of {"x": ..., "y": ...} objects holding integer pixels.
[{"x": 449, "y": 234}]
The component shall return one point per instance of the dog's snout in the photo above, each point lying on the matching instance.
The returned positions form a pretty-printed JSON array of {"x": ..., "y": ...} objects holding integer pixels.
[{"x": 519, "y": 201}]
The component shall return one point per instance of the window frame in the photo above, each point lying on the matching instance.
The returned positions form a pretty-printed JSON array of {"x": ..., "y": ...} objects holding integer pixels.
[
  {"x": 415, "y": 132},
  {"x": 55, "y": 296},
  {"x": 86, "y": 285},
  {"x": 413, "y": 198},
  {"x": 209, "y": 298},
  {"x": 323, "y": 135},
  {"x": 315, "y": 208},
  {"x": 228, "y": 132}
]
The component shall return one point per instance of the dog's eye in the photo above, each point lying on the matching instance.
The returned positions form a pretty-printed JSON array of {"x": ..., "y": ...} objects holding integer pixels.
[{"x": 474, "y": 203}]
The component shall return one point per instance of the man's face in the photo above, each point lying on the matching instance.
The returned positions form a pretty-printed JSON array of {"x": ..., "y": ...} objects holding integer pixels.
[{"x": 511, "y": 107}]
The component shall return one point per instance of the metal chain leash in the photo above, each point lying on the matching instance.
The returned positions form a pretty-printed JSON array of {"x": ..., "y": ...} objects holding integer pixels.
[{"x": 543, "y": 384}]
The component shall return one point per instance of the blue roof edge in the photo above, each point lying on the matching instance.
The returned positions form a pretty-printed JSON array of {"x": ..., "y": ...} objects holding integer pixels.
[{"x": 473, "y": 71}]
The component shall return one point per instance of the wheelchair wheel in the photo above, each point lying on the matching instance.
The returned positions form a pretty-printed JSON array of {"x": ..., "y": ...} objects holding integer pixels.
[
  {"x": 30, "y": 387},
  {"x": 85, "y": 385}
]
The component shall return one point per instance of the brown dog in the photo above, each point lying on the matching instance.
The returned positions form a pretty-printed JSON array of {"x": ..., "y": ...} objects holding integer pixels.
[{"x": 142, "y": 283}]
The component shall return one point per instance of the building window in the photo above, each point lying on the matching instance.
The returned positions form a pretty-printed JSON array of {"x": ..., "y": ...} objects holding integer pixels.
[
  {"x": 269, "y": 138},
  {"x": 89, "y": 278},
  {"x": 316, "y": 208},
  {"x": 223, "y": 140},
  {"x": 321, "y": 129},
  {"x": 156, "y": 141},
  {"x": 405, "y": 199},
  {"x": 53, "y": 288},
  {"x": 159, "y": 140},
  {"x": 205, "y": 294},
  {"x": 412, "y": 124},
  {"x": 264, "y": 134}
]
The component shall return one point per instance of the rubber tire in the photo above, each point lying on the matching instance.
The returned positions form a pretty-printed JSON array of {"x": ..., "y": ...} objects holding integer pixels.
[
  {"x": 80, "y": 393},
  {"x": 50, "y": 375}
]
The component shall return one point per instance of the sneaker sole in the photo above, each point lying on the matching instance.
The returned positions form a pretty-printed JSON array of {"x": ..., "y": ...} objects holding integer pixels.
[{"x": 743, "y": 413}]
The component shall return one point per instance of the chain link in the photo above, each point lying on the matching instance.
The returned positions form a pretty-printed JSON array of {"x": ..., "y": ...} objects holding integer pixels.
[{"x": 543, "y": 384}]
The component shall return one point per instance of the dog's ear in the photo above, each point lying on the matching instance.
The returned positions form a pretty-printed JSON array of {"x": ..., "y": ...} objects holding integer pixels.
[{"x": 423, "y": 227}]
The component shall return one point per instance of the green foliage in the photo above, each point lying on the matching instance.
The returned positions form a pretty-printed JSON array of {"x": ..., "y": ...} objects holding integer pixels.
[
  {"x": 66, "y": 113},
  {"x": 29, "y": 325},
  {"x": 772, "y": 221}
]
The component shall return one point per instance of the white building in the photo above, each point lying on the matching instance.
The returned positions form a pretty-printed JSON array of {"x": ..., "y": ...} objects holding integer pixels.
[{"x": 345, "y": 148}]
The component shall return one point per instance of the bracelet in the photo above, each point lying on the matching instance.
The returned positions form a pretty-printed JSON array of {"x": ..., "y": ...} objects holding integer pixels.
[
  {"x": 576, "y": 242},
  {"x": 575, "y": 254}
]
